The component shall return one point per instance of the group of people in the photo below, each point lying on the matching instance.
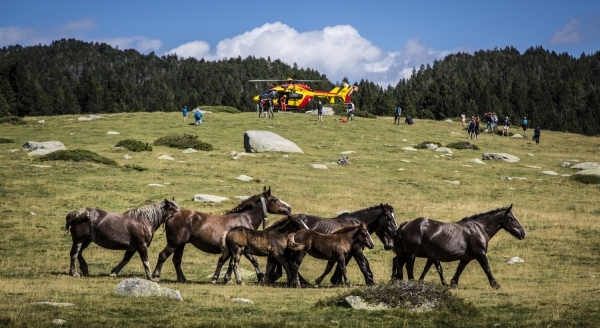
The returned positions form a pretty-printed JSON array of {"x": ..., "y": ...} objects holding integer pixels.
[
  {"x": 196, "y": 113},
  {"x": 492, "y": 123},
  {"x": 265, "y": 108}
]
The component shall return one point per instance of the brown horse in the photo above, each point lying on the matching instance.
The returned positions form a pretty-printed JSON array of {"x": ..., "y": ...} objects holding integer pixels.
[
  {"x": 204, "y": 230},
  {"x": 463, "y": 241},
  {"x": 333, "y": 247},
  {"x": 272, "y": 241},
  {"x": 131, "y": 231}
]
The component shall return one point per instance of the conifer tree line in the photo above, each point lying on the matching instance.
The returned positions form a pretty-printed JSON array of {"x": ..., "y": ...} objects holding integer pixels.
[{"x": 556, "y": 91}]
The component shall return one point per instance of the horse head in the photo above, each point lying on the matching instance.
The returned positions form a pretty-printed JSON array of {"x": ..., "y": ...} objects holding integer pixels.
[
  {"x": 298, "y": 222},
  {"x": 387, "y": 226},
  {"x": 170, "y": 207},
  {"x": 273, "y": 204},
  {"x": 364, "y": 237},
  {"x": 512, "y": 225}
]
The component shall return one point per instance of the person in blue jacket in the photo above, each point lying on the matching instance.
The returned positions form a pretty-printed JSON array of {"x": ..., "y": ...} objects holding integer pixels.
[
  {"x": 184, "y": 111},
  {"x": 397, "y": 113},
  {"x": 198, "y": 116}
]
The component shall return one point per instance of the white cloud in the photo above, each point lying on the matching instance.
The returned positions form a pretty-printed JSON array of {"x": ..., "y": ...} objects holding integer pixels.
[
  {"x": 336, "y": 51},
  {"x": 11, "y": 35},
  {"x": 139, "y": 43},
  {"x": 78, "y": 25},
  {"x": 578, "y": 30}
]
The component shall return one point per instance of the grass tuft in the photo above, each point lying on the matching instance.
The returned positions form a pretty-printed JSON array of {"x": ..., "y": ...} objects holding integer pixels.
[
  {"x": 134, "y": 145},
  {"x": 462, "y": 145},
  {"x": 134, "y": 167},
  {"x": 77, "y": 155},
  {"x": 183, "y": 141},
  {"x": 220, "y": 109},
  {"x": 6, "y": 140},
  {"x": 13, "y": 120}
]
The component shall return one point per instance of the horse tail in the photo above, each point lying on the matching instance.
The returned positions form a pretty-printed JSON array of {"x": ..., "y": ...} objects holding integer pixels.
[
  {"x": 224, "y": 248},
  {"x": 75, "y": 216},
  {"x": 292, "y": 244}
]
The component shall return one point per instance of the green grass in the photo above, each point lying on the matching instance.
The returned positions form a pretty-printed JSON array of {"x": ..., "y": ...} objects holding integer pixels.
[{"x": 556, "y": 286}]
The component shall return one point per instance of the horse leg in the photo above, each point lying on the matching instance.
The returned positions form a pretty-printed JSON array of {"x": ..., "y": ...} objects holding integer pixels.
[
  {"x": 286, "y": 265},
  {"x": 162, "y": 257},
  {"x": 143, "y": 251},
  {"x": 115, "y": 271},
  {"x": 236, "y": 265},
  {"x": 82, "y": 263},
  {"x": 398, "y": 266},
  {"x": 177, "y": 256},
  {"x": 438, "y": 267},
  {"x": 220, "y": 263},
  {"x": 295, "y": 261},
  {"x": 461, "y": 266},
  {"x": 426, "y": 269},
  {"x": 328, "y": 268},
  {"x": 342, "y": 264},
  {"x": 336, "y": 278},
  {"x": 482, "y": 259},
  {"x": 273, "y": 271},
  {"x": 363, "y": 264},
  {"x": 75, "y": 249},
  {"x": 259, "y": 274},
  {"x": 410, "y": 265}
]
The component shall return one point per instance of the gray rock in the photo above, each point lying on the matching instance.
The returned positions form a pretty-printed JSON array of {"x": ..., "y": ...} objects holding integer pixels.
[
  {"x": 137, "y": 287},
  {"x": 515, "y": 259},
  {"x": 516, "y": 135},
  {"x": 112, "y": 132},
  {"x": 549, "y": 172},
  {"x": 40, "y": 152},
  {"x": 58, "y": 321},
  {"x": 477, "y": 161},
  {"x": 565, "y": 164},
  {"x": 431, "y": 146},
  {"x": 54, "y": 304},
  {"x": 209, "y": 198},
  {"x": 166, "y": 157},
  {"x": 347, "y": 152},
  {"x": 156, "y": 185},
  {"x": 592, "y": 171},
  {"x": 409, "y": 148},
  {"x": 500, "y": 156},
  {"x": 13, "y": 150},
  {"x": 533, "y": 167},
  {"x": 189, "y": 151},
  {"x": 356, "y": 302},
  {"x": 118, "y": 148},
  {"x": 565, "y": 175},
  {"x": 267, "y": 141},
  {"x": 448, "y": 121},
  {"x": 343, "y": 160},
  {"x": 318, "y": 166},
  {"x": 244, "y": 177},
  {"x": 454, "y": 182},
  {"x": 585, "y": 165},
  {"x": 42, "y": 122},
  {"x": 50, "y": 145},
  {"x": 127, "y": 157},
  {"x": 445, "y": 150},
  {"x": 513, "y": 178},
  {"x": 242, "y": 300}
]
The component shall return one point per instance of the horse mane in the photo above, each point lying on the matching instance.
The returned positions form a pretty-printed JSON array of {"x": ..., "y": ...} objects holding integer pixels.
[
  {"x": 281, "y": 222},
  {"x": 346, "y": 229},
  {"x": 248, "y": 203},
  {"x": 480, "y": 215},
  {"x": 73, "y": 216},
  {"x": 386, "y": 206},
  {"x": 153, "y": 213}
]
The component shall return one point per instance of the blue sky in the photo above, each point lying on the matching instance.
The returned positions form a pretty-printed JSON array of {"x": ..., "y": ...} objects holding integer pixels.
[{"x": 376, "y": 40}]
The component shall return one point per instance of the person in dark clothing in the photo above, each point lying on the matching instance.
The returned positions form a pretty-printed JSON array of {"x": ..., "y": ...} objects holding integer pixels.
[
  {"x": 409, "y": 121},
  {"x": 536, "y": 134}
]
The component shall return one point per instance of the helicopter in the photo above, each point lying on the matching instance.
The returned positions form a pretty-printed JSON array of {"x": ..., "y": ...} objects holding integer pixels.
[{"x": 298, "y": 94}]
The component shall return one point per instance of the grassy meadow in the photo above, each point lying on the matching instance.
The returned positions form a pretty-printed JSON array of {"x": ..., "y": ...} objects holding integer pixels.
[{"x": 557, "y": 285}]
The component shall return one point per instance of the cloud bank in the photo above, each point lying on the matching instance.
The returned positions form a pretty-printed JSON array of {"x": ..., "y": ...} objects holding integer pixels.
[
  {"x": 337, "y": 51},
  {"x": 578, "y": 30}
]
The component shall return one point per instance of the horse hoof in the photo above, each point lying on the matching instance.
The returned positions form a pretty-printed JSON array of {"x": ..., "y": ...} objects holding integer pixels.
[
  {"x": 113, "y": 274},
  {"x": 154, "y": 280},
  {"x": 349, "y": 285},
  {"x": 316, "y": 286},
  {"x": 76, "y": 275}
]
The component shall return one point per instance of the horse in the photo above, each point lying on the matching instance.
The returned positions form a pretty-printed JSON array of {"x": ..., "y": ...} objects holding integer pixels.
[
  {"x": 131, "y": 231},
  {"x": 379, "y": 219},
  {"x": 204, "y": 230},
  {"x": 463, "y": 241},
  {"x": 272, "y": 241},
  {"x": 333, "y": 247}
]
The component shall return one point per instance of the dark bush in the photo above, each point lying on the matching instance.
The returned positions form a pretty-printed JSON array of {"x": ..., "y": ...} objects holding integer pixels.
[
  {"x": 134, "y": 145},
  {"x": 183, "y": 141},
  {"x": 586, "y": 178},
  {"x": 423, "y": 145},
  {"x": 134, "y": 167},
  {"x": 13, "y": 120},
  {"x": 462, "y": 145},
  {"x": 5, "y": 140},
  {"x": 77, "y": 155},
  {"x": 360, "y": 113}
]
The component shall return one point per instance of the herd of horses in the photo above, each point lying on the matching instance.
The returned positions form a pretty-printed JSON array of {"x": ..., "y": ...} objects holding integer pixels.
[{"x": 287, "y": 241}]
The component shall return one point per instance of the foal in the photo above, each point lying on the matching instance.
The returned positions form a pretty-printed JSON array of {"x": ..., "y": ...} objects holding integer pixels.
[
  {"x": 332, "y": 247},
  {"x": 271, "y": 241}
]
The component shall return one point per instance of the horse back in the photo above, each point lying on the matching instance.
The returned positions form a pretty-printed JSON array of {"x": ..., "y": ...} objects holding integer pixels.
[{"x": 442, "y": 241}]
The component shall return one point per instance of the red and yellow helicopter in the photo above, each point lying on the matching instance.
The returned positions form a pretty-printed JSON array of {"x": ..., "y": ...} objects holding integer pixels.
[{"x": 297, "y": 95}]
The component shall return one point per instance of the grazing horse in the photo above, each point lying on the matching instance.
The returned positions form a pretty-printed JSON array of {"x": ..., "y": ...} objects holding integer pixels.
[
  {"x": 379, "y": 219},
  {"x": 131, "y": 231},
  {"x": 333, "y": 247},
  {"x": 272, "y": 241},
  {"x": 463, "y": 241},
  {"x": 204, "y": 230}
]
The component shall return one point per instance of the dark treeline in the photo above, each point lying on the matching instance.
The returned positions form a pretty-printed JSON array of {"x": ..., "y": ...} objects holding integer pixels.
[{"x": 556, "y": 91}]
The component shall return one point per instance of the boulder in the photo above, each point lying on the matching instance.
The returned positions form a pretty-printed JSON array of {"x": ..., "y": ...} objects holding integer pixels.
[
  {"x": 409, "y": 148},
  {"x": 209, "y": 198},
  {"x": 585, "y": 165},
  {"x": 444, "y": 150},
  {"x": 500, "y": 156},
  {"x": 592, "y": 171},
  {"x": 549, "y": 172},
  {"x": 189, "y": 151},
  {"x": 49, "y": 145},
  {"x": 137, "y": 287},
  {"x": 267, "y": 141},
  {"x": 166, "y": 157},
  {"x": 516, "y": 135},
  {"x": 244, "y": 177},
  {"x": 319, "y": 166},
  {"x": 40, "y": 152}
]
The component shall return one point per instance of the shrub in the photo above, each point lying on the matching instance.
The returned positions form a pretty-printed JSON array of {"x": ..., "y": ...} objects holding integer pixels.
[
  {"x": 5, "y": 140},
  {"x": 586, "y": 178},
  {"x": 134, "y": 167},
  {"x": 462, "y": 145},
  {"x": 77, "y": 155},
  {"x": 183, "y": 141},
  {"x": 13, "y": 120},
  {"x": 220, "y": 109},
  {"x": 360, "y": 113},
  {"x": 134, "y": 145},
  {"x": 423, "y": 145}
]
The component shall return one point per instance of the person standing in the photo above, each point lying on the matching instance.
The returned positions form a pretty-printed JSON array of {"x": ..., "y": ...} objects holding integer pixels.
[
  {"x": 397, "y": 114},
  {"x": 488, "y": 122},
  {"x": 471, "y": 128},
  {"x": 494, "y": 121},
  {"x": 198, "y": 116},
  {"x": 525, "y": 127},
  {"x": 536, "y": 134},
  {"x": 463, "y": 119},
  {"x": 476, "y": 128},
  {"x": 270, "y": 104},
  {"x": 282, "y": 103},
  {"x": 506, "y": 127},
  {"x": 184, "y": 111},
  {"x": 320, "y": 112},
  {"x": 350, "y": 110},
  {"x": 260, "y": 108}
]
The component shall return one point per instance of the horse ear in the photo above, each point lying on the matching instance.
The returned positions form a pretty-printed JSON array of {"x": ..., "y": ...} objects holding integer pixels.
[
  {"x": 509, "y": 209},
  {"x": 269, "y": 191},
  {"x": 173, "y": 198}
]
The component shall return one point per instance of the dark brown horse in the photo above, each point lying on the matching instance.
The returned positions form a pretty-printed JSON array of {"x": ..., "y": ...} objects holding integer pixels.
[
  {"x": 131, "y": 231},
  {"x": 379, "y": 219},
  {"x": 397, "y": 273},
  {"x": 333, "y": 247},
  {"x": 204, "y": 230},
  {"x": 463, "y": 241},
  {"x": 272, "y": 241}
]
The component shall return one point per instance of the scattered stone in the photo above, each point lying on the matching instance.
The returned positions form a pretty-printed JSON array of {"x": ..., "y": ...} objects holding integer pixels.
[
  {"x": 515, "y": 260},
  {"x": 516, "y": 135},
  {"x": 533, "y": 166},
  {"x": 400, "y": 169},
  {"x": 436, "y": 156},
  {"x": 267, "y": 141},
  {"x": 209, "y": 198},
  {"x": 48, "y": 145},
  {"x": 235, "y": 158},
  {"x": 118, "y": 148},
  {"x": 112, "y": 132},
  {"x": 137, "y": 287},
  {"x": 166, "y": 157},
  {"x": 58, "y": 321},
  {"x": 511, "y": 188},
  {"x": 343, "y": 160},
  {"x": 431, "y": 146},
  {"x": 565, "y": 175},
  {"x": 585, "y": 165},
  {"x": 32, "y": 213},
  {"x": 232, "y": 153},
  {"x": 549, "y": 172},
  {"x": 448, "y": 121},
  {"x": 242, "y": 198},
  {"x": 13, "y": 150},
  {"x": 454, "y": 182},
  {"x": 348, "y": 152},
  {"x": 242, "y": 300},
  {"x": 513, "y": 178},
  {"x": 189, "y": 151},
  {"x": 404, "y": 140},
  {"x": 54, "y": 304},
  {"x": 244, "y": 178},
  {"x": 477, "y": 161},
  {"x": 530, "y": 155},
  {"x": 41, "y": 166},
  {"x": 445, "y": 150},
  {"x": 318, "y": 166},
  {"x": 405, "y": 161},
  {"x": 565, "y": 164},
  {"x": 592, "y": 171},
  {"x": 409, "y": 148},
  {"x": 286, "y": 156},
  {"x": 89, "y": 118},
  {"x": 500, "y": 156},
  {"x": 127, "y": 157},
  {"x": 356, "y": 302},
  {"x": 42, "y": 122},
  {"x": 156, "y": 185}
]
